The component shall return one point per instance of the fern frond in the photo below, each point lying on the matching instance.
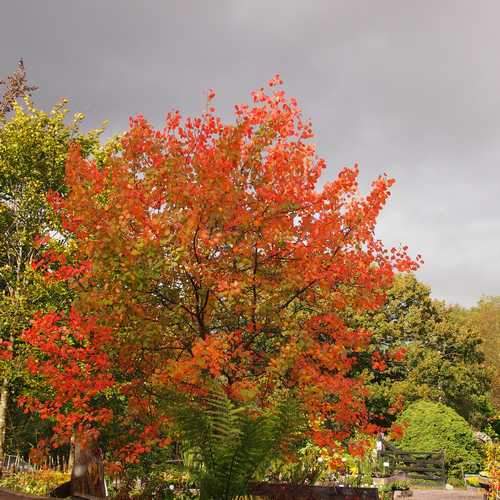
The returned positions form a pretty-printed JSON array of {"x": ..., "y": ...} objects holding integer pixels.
[{"x": 227, "y": 444}]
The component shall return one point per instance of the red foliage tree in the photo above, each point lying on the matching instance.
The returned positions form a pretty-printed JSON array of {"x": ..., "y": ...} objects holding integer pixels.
[{"x": 205, "y": 251}]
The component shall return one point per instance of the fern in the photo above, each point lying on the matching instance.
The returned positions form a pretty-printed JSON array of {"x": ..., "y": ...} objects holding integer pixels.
[{"x": 228, "y": 445}]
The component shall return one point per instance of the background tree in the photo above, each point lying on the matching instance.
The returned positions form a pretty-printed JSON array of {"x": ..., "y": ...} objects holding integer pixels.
[
  {"x": 431, "y": 351},
  {"x": 204, "y": 253},
  {"x": 33, "y": 151},
  {"x": 486, "y": 318}
]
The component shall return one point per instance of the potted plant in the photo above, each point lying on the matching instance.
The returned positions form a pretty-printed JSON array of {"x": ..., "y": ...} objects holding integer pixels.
[
  {"x": 381, "y": 473},
  {"x": 403, "y": 487}
]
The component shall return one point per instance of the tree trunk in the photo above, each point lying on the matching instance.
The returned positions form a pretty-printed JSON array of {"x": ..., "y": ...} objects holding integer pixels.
[
  {"x": 71, "y": 457},
  {"x": 87, "y": 476},
  {"x": 4, "y": 401}
]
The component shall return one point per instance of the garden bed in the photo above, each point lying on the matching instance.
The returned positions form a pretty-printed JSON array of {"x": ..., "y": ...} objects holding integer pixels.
[{"x": 14, "y": 495}]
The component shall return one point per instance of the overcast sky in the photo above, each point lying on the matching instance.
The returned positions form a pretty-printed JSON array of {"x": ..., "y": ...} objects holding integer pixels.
[{"x": 411, "y": 88}]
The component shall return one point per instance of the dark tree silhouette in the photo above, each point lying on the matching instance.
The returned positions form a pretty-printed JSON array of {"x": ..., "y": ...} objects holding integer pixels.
[{"x": 16, "y": 86}]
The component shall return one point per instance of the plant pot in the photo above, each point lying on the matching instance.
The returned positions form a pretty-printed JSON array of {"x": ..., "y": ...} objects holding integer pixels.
[
  {"x": 381, "y": 481},
  {"x": 403, "y": 494}
]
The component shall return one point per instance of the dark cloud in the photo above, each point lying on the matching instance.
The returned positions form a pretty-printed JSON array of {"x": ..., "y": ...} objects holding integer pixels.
[{"x": 408, "y": 88}]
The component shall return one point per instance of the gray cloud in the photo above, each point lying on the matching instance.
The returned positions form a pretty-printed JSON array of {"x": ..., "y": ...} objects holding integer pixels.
[{"x": 407, "y": 88}]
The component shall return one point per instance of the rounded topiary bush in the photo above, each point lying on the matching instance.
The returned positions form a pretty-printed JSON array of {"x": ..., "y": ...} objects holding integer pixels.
[{"x": 433, "y": 426}]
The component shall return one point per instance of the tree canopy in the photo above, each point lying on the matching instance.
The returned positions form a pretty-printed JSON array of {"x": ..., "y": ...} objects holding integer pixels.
[{"x": 205, "y": 252}]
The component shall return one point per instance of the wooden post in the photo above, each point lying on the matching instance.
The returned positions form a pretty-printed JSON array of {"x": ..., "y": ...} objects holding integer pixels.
[
  {"x": 443, "y": 467},
  {"x": 87, "y": 476},
  {"x": 4, "y": 401}
]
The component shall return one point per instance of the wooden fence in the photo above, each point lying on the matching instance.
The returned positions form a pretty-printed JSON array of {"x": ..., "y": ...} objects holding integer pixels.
[
  {"x": 427, "y": 465},
  {"x": 15, "y": 463}
]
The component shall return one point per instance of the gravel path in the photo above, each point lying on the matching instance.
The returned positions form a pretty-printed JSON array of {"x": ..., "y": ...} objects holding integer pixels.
[{"x": 445, "y": 495}]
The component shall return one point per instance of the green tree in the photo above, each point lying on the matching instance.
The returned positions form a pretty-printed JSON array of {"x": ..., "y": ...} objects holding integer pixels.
[
  {"x": 33, "y": 150},
  {"x": 486, "y": 318},
  {"x": 443, "y": 362},
  {"x": 431, "y": 426}
]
